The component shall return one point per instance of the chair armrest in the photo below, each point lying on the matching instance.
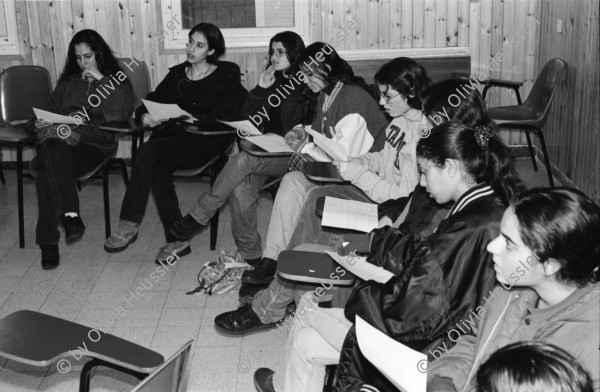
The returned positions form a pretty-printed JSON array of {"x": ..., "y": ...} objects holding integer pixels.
[
  {"x": 321, "y": 172},
  {"x": 504, "y": 83}
]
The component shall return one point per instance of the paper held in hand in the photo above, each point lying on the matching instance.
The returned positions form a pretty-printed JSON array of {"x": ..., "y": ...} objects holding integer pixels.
[
  {"x": 55, "y": 118},
  {"x": 350, "y": 214},
  {"x": 359, "y": 266},
  {"x": 398, "y": 363},
  {"x": 271, "y": 143},
  {"x": 165, "y": 111},
  {"x": 244, "y": 128},
  {"x": 329, "y": 146}
]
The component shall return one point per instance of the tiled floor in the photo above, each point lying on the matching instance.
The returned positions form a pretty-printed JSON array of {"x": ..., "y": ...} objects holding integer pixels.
[{"x": 91, "y": 284}]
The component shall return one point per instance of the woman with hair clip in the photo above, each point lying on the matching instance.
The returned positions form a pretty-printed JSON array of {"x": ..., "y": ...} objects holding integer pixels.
[
  {"x": 345, "y": 113},
  {"x": 437, "y": 280},
  {"x": 206, "y": 88},
  {"x": 547, "y": 262},
  {"x": 67, "y": 152},
  {"x": 244, "y": 175},
  {"x": 533, "y": 367}
]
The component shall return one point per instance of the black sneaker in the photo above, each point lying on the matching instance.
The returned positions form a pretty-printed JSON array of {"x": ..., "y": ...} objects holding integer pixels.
[
  {"x": 240, "y": 321},
  {"x": 263, "y": 380},
  {"x": 50, "y": 256},
  {"x": 74, "y": 229},
  {"x": 263, "y": 272},
  {"x": 186, "y": 228}
]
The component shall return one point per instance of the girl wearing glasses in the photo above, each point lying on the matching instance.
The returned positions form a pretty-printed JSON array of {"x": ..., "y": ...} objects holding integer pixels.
[
  {"x": 274, "y": 106},
  {"x": 208, "y": 89}
]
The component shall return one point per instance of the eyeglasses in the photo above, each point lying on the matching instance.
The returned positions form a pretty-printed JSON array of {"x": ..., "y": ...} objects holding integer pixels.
[
  {"x": 388, "y": 99},
  {"x": 278, "y": 52}
]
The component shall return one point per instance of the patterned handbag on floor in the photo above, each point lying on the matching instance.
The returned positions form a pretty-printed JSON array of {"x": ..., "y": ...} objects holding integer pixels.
[{"x": 221, "y": 276}]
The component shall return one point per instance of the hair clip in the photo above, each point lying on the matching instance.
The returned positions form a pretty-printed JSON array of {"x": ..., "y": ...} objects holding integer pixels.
[{"x": 482, "y": 136}]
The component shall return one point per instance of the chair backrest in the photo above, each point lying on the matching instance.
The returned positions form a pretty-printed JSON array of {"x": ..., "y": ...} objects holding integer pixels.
[
  {"x": 21, "y": 88},
  {"x": 542, "y": 92},
  {"x": 137, "y": 73},
  {"x": 171, "y": 376}
]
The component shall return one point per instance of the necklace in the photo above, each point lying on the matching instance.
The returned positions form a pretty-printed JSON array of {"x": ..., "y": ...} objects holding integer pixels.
[{"x": 191, "y": 73}]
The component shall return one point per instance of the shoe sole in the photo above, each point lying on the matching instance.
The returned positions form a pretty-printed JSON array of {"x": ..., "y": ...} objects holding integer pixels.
[
  {"x": 121, "y": 248},
  {"x": 74, "y": 238},
  {"x": 184, "y": 252},
  {"x": 187, "y": 238},
  {"x": 264, "y": 327}
]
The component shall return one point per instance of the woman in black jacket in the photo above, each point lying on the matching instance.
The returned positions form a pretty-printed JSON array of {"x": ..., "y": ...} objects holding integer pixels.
[
  {"x": 273, "y": 106},
  {"x": 208, "y": 89},
  {"x": 438, "y": 280}
]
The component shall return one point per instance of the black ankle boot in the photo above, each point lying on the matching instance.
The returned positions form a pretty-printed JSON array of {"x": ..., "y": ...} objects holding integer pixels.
[
  {"x": 50, "y": 256},
  {"x": 263, "y": 272},
  {"x": 74, "y": 229}
]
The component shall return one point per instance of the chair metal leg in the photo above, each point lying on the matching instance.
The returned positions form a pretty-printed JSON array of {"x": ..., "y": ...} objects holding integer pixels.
[
  {"x": 546, "y": 159},
  {"x": 20, "y": 194},
  {"x": 106, "y": 201},
  {"x": 86, "y": 375},
  {"x": 2, "y": 179},
  {"x": 531, "y": 152},
  {"x": 214, "y": 221},
  {"x": 124, "y": 171}
]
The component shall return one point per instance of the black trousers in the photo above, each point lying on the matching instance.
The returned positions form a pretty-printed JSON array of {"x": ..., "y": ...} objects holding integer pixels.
[
  {"x": 58, "y": 166},
  {"x": 155, "y": 162}
]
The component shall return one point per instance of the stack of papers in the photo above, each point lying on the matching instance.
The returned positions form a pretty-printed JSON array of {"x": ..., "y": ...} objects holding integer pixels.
[
  {"x": 350, "y": 214},
  {"x": 55, "y": 118},
  {"x": 271, "y": 143},
  {"x": 244, "y": 128},
  {"x": 400, "y": 364},
  {"x": 165, "y": 111},
  {"x": 329, "y": 146}
]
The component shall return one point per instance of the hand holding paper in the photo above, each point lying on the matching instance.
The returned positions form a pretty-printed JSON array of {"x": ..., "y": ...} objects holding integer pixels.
[
  {"x": 335, "y": 151},
  {"x": 163, "y": 111},
  {"x": 359, "y": 267}
]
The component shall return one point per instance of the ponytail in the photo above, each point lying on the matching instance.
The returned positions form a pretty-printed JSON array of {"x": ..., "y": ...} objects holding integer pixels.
[{"x": 482, "y": 153}]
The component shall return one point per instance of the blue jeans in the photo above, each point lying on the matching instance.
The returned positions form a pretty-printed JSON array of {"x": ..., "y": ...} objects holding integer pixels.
[{"x": 241, "y": 178}]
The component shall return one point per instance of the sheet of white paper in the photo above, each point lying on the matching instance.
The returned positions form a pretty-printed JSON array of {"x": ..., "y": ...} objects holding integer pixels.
[
  {"x": 350, "y": 214},
  {"x": 165, "y": 111},
  {"x": 331, "y": 148},
  {"x": 245, "y": 127},
  {"x": 235, "y": 264},
  {"x": 398, "y": 363},
  {"x": 55, "y": 118},
  {"x": 270, "y": 142},
  {"x": 360, "y": 267}
]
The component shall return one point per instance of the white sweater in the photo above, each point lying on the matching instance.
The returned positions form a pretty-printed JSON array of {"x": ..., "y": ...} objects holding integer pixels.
[{"x": 392, "y": 172}]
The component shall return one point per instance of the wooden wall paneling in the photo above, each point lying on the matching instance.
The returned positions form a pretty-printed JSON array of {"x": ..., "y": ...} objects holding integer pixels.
[
  {"x": 35, "y": 34},
  {"x": 407, "y": 24},
  {"x": 418, "y": 22},
  {"x": 57, "y": 28},
  {"x": 510, "y": 31},
  {"x": 451, "y": 38},
  {"x": 89, "y": 18},
  {"x": 475, "y": 36},
  {"x": 372, "y": 29},
  {"x": 325, "y": 16},
  {"x": 124, "y": 29},
  {"x": 492, "y": 15},
  {"x": 426, "y": 21},
  {"x": 360, "y": 31},
  {"x": 316, "y": 20},
  {"x": 463, "y": 22},
  {"x": 522, "y": 29},
  {"x": 441, "y": 23},
  {"x": 100, "y": 18},
  {"x": 386, "y": 28},
  {"x": 485, "y": 43},
  {"x": 23, "y": 32},
  {"x": 78, "y": 15},
  {"x": 348, "y": 16},
  {"x": 337, "y": 21},
  {"x": 591, "y": 100}
]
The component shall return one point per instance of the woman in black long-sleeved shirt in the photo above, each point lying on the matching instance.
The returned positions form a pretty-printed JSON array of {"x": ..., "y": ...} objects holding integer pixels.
[
  {"x": 67, "y": 151},
  {"x": 209, "y": 90}
]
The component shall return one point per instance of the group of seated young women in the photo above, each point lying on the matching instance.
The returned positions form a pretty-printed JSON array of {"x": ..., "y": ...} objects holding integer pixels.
[{"x": 465, "y": 222}]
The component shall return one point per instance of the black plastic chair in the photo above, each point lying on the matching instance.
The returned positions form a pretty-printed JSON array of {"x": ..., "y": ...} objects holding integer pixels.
[
  {"x": 533, "y": 113},
  {"x": 21, "y": 88}
]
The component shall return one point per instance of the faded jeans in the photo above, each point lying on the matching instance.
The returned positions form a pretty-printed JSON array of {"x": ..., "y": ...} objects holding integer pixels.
[
  {"x": 315, "y": 341},
  {"x": 242, "y": 178}
]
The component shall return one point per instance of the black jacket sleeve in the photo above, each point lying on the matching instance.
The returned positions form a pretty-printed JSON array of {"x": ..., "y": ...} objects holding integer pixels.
[{"x": 438, "y": 283}]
